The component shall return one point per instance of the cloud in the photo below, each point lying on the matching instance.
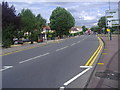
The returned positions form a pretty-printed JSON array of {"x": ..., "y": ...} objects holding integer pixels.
[
  {"x": 89, "y": 17},
  {"x": 31, "y": 1},
  {"x": 85, "y": 13}
]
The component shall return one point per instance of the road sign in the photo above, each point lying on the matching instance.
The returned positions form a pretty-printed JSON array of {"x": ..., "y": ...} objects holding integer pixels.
[
  {"x": 109, "y": 23},
  {"x": 112, "y": 18},
  {"x": 108, "y": 30}
]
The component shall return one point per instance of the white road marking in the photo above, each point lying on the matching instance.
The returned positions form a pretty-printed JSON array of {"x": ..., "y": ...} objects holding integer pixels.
[
  {"x": 73, "y": 44},
  {"x": 34, "y": 58},
  {"x": 6, "y": 67},
  {"x": 85, "y": 66},
  {"x": 78, "y": 41},
  {"x": 62, "y": 48},
  {"x": 78, "y": 75},
  {"x": 61, "y": 88},
  {"x": 85, "y": 38}
]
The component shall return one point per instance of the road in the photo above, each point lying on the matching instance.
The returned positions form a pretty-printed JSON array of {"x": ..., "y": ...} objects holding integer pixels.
[{"x": 48, "y": 66}]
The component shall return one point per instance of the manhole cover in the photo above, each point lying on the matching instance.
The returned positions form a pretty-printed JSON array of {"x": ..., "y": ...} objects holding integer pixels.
[{"x": 108, "y": 74}]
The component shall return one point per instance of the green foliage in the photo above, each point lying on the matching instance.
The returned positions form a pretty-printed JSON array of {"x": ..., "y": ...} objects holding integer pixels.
[
  {"x": 115, "y": 29},
  {"x": 31, "y": 23},
  {"x": 40, "y": 21},
  {"x": 28, "y": 20},
  {"x": 81, "y": 33},
  {"x": 10, "y": 24},
  {"x": 7, "y": 37},
  {"x": 84, "y": 28},
  {"x": 61, "y": 21},
  {"x": 101, "y": 25},
  {"x": 96, "y": 29},
  {"x": 7, "y": 43},
  {"x": 102, "y": 22}
]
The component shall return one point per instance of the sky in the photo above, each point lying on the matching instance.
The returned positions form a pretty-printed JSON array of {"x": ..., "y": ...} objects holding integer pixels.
[{"x": 85, "y": 13}]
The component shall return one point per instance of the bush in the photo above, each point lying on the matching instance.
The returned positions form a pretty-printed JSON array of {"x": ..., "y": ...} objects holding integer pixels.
[
  {"x": 81, "y": 33},
  {"x": 7, "y": 43}
]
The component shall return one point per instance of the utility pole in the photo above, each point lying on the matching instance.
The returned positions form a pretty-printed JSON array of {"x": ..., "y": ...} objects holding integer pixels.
[
  {"x": 109, "y": 4},
  {"x": 110, "y": 34}
]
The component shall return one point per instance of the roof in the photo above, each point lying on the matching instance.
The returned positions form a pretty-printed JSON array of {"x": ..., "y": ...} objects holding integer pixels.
[{"x": 46, "y": 27}]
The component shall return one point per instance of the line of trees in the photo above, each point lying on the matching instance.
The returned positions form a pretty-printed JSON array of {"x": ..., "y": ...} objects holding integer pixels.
[
  {"x": 101, "y": 26},
  {"x": 15, "y": 26}
]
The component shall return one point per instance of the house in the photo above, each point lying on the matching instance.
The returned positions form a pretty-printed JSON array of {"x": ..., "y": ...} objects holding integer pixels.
[{"x": 75, "y": 29}]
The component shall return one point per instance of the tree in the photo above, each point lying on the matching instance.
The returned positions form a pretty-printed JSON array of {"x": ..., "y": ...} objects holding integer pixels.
[
  {"x": 96, "y": 29},
  {"x": 28, "y": 22},
  {"x": 61, "y": 21},
  {"x": 40, "y": 21},
  {"x": 102, "y": 23},
  {"x": 84, "y": 28},
  {"x": 10, "y": 24},
  {"x": 32, "y": 24}
]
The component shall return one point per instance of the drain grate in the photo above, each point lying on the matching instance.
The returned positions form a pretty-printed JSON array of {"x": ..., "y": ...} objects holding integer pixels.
[{"x": 108, "y": 75}]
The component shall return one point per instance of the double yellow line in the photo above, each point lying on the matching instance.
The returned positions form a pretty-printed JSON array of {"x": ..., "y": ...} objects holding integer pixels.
[{"x": 95, "y": 54}]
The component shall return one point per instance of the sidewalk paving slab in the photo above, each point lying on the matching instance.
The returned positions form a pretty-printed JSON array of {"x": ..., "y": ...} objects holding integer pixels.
[{"x": 107, "y": 75}]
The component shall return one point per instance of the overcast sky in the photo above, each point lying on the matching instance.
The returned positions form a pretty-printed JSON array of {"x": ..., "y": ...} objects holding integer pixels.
[{"x": 85, "y": 13}]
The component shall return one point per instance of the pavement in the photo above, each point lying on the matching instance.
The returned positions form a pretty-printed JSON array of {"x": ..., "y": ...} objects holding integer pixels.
[
  {"x": 56, "y": 65},
  {"x": 107, "y": 72}
]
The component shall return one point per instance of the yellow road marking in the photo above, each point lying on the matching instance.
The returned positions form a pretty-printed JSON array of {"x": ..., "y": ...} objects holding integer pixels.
[
  {"x": 105, "y": 49},
  {"x": 104, "y": 53},
  {"x": 95, "y": 54},
  {"x": 101, "y": 63}
]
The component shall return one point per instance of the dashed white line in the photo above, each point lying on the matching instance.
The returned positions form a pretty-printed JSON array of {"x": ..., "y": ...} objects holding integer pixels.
[
  {"x": 78, "y": 75},
  {"x": 34, "y": 58},
  {"x": 73, "y": 44},
  {"x": 6, "y": 67},
  {"x": 62, "y": 48},
  {"x": 78, "y": 41}
]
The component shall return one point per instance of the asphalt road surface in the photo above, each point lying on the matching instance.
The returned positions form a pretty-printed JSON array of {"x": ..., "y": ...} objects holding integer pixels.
[{"x": 48, "y": 66}]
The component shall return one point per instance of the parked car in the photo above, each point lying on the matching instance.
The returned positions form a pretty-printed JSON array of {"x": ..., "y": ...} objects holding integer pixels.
[
  {"x": 26, "y": 40},
  {"x": 40, "y": 40},
  {"x": 18, "y": 42}
]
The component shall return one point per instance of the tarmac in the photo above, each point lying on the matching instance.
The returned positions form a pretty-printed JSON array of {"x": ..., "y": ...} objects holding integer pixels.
[
  {"x": 26, "y": 46},
  {"x": 107, "y": 72}
]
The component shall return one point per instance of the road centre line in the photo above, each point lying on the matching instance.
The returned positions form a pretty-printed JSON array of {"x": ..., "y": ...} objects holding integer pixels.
[
  {"x": 6, "y": 67},
  {"x": 78, "y": 75},
  {"x": 78, "y": 41},
  {"x": 34, "y": 58},
  {"x": 62, "y": 48},
  {"x": 73, "y": 44}
]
